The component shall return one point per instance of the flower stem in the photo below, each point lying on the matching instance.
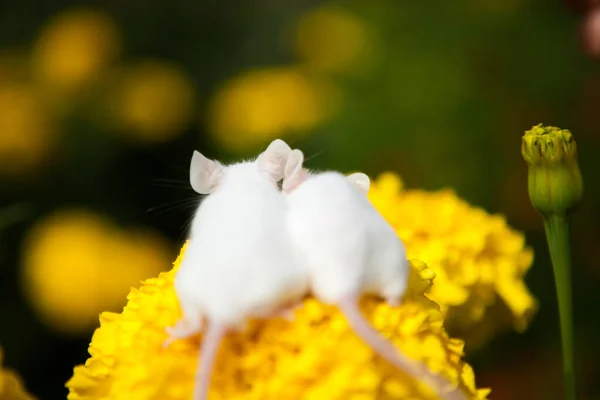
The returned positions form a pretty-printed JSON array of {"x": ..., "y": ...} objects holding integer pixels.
[{"x": 557, "y": 233}]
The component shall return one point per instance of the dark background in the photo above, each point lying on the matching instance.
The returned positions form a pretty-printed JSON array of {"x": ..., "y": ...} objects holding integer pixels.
[{"x": 442, "y": 95}]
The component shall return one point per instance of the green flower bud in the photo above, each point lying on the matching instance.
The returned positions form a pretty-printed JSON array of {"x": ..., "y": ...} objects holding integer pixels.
[
  {"x": 555, "y": 189},
  {"x": 555, "y": 182}
]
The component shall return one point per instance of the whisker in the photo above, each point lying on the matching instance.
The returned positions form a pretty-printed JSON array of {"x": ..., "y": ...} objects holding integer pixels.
[
  {"x": 186, "y": 226},
  {"x": 187, "y": 206},
  {"x": 172, "y": 202},
  {"x": 181, "y": 203},
  {"x": 188, "y": 223},
  {"x": 313, "y": 156}
]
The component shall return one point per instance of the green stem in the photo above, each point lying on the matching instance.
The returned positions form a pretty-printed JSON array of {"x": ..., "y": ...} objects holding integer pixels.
[{"x": 557, "y": 233}]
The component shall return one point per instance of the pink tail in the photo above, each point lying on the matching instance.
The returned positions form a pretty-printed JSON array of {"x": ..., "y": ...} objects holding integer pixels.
[
  {"x": 386, "y": 350},
  {"x": 206, "y": 359}
]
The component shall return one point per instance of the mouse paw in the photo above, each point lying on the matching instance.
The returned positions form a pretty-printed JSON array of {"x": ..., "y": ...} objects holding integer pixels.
[{"x": 181, "y": 330}]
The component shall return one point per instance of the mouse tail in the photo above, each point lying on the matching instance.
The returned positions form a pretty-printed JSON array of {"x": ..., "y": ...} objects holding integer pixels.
[
  {"x": 385, "y": 349},
  {"x": 206, "y": 358}
]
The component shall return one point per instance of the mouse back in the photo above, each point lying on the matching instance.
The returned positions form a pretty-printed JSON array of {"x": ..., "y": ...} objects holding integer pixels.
[
  {"x": 348, "y": 246},
  {"x": 238, "y": 245}
]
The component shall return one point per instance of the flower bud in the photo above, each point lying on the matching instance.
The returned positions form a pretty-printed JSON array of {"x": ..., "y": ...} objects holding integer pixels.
[{"x": 555, "y": 182}]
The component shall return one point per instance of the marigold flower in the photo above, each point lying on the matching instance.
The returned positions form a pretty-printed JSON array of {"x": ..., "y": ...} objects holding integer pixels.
[
  {"x": 11, "y": 386},
  {"x": 478, "y": 259},
  {"x": 73, "y": 48},
  {"x": 26, "y": 127},
  {"x": 332, "y": 39},
  {"x": 555, "y": 189},
  {"x": 265, "y": 104},
  {"x": 77, "y": 264},
  {"x": 316, "y": 356},
  {"x": 555, "y": 182},
  {"x": 153, "y": 102}
]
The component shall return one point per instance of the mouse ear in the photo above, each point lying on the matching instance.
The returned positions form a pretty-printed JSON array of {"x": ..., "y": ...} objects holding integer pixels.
[
  {"x": 294, "y": 172},
  {"x": 360, "y": 181},
  {"x": 274, "y": 158},
  {"x": 205, "y": 174}
]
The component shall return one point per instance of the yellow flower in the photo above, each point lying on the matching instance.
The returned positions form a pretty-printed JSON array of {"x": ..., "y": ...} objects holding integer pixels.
[
  {"x": 26, "y": 130},
  {"x": 265, "y": 104},
  {"x": 316, "y": 356},
  {"x": 331, "y": 39},
  {"x": 11, "y": 386},
  {"x": 154, "y": 101},
  {"x": 554, "y": 178},
  {"x": 73, "y": 48},
  {"x": 479, "y": 261},
  {"x": 77, "y": 264}
]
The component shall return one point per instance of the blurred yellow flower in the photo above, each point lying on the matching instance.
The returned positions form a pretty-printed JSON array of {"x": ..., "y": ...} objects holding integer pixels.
[
  {"x": 11, "y": 386},
  {"x": 479, "y": 261},
  {"x": 316, "y": 356},
  {"x": 153, "y": 101},
  {"x": 26, "y": 127},
  {"x": 73, "y": 48},
  {"x": 332, "y": 39},
  {"x": 77, "y": 264},
  {"x": 264, "y": 104}
]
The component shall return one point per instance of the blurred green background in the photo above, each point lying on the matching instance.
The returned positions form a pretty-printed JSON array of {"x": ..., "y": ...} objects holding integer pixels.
[{"x": 101, "y": 106}]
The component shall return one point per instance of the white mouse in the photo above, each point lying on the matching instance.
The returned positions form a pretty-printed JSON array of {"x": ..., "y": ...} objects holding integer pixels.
[
  {"x": 349, "y": 250},
  {"x": 239, "y": 262}
]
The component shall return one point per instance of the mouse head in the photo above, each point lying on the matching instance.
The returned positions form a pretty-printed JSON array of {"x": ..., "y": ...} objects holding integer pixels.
[
  {"x": 272, "y": 161},
  {"x": 205, "y": 174},
  {"x": 295, "y": 174}
]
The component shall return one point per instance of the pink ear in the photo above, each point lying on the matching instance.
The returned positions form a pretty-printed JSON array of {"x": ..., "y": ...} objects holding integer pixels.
[
  {"x": 273, "y": 159},
  {"x": 360, "y": 181},
  {"x": 294, "y": 172},
  {"x": 205, "y": 174}
]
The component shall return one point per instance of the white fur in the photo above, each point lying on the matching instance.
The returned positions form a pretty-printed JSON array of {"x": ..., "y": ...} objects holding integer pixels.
[
  {"x": 347, "y": 246},
  {"x": 349, "y": 250},
  {"x": 239, "y": 262}
]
